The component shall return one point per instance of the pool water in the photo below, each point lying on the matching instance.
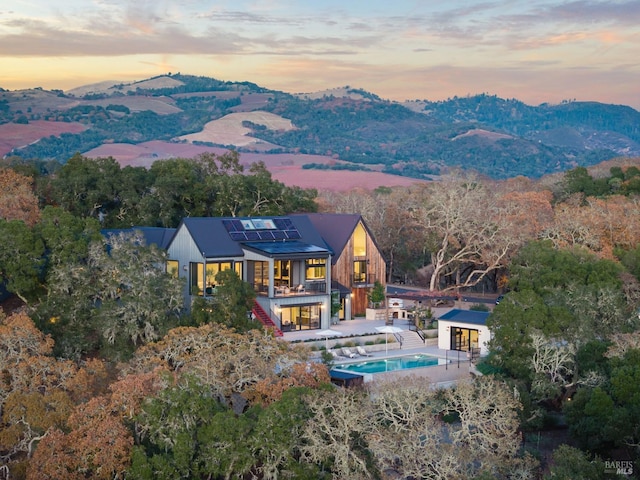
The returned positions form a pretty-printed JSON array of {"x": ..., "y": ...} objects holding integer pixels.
[{"x": 391, "y": 364}]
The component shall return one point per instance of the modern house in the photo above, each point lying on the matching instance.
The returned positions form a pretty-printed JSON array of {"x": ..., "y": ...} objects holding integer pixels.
[
  {"x": 356, "y": 261},
  {"x": 294, "y": 263},
  {"x": 301, "y": 266},
  {"x": 285, "y": 260},
  {"x": 464, "y": 330}
]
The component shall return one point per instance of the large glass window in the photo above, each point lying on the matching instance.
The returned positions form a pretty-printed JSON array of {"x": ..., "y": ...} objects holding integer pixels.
[
  {"x": 360, "y": 271},
  {"x": 213, "y": 268},
  {"x": 463, "y": 339},
  {"x": 196, "y": 278},
  {"x": 305, "y": 317},
  {"x": 199, "y": 283},
  {"x": 172, "y": 268},
  {"x": 281, "y": 273},
  {"x": 359, "y": 241},
  {"x": 316, "y": 269},
  {"x": 260, "y": 277}
]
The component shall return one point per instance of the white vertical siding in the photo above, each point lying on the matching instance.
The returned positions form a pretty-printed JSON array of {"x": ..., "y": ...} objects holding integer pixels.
[
  {"x": 184, "y": 250},
  {"x": 444, "y": 334}
]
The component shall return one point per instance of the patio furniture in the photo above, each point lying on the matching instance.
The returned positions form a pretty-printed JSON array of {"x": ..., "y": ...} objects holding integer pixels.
[
  {"x": 363, "y": 352},
  {"x": 282, "y": 290},
  {"x": 349, "y": 353},
  {"x": 335, "y": 355}
]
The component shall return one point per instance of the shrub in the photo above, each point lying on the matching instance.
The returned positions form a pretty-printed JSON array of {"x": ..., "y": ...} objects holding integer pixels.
[{"x": 479, "y": 307}]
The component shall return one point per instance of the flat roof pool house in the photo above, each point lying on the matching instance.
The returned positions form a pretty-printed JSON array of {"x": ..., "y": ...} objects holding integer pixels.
[{"x": 464, "y": 330}]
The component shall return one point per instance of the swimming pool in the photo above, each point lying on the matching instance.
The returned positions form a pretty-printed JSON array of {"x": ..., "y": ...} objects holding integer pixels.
[{"x": 391, "y": 364}]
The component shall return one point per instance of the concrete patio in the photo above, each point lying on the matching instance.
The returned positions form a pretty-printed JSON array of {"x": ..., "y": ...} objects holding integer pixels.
[{"x": 439, "y": 376}]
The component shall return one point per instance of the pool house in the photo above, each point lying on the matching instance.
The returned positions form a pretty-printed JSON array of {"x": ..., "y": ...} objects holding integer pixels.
[{"x": 464, "y": 330}]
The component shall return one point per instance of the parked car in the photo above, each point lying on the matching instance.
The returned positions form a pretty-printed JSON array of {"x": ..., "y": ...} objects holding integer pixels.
[{"x": 499, "y": 299}]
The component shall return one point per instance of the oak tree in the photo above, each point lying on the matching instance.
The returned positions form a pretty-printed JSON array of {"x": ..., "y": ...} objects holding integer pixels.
[{"x": 17, "y": 199}]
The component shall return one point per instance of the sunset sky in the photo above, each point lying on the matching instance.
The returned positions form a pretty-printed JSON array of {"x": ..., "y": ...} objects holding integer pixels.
[{"x": 536, "y": 51}]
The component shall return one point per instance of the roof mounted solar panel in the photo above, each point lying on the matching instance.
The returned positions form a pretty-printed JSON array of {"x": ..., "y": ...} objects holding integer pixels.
[
  {"x": 283, "y": 223},
  {"x": 238, "y": 225},
  {"x": 237, "y": 236},
  {"x": 233, "y": 225},
  {"x": 266, "y": 229}
]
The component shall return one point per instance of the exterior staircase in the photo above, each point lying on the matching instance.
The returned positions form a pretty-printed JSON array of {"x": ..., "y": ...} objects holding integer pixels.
[
  {"x": 411, "y": 339},
  {"x": 263, "y": 317}
]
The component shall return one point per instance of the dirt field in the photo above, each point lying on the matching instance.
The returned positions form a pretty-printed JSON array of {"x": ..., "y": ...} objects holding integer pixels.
[
  {"x": 286, "y": 168},
  {"x": 338, "y": 180},
  {"x": 229, "y": 130},
  {"x": 14, "y": 135}
]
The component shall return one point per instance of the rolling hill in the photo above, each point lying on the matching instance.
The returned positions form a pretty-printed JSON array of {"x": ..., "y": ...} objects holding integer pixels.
[{"x": 341, "y": 130}]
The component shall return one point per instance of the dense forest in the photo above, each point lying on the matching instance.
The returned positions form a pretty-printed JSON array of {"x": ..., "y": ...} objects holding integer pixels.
[
  {"x": 105, "y": 375},
  {"x": 495, "y": 137}
]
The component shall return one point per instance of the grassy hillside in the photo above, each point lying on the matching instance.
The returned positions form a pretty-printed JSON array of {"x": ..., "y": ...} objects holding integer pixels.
[{"x": 498, "y": 138}]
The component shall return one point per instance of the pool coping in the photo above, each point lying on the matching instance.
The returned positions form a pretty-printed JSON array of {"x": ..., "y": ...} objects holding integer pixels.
[{"x": 439, "y": 376}]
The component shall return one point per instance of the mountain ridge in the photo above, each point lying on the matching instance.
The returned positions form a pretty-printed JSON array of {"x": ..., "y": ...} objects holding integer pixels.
[{"x": 499, "y": 138}]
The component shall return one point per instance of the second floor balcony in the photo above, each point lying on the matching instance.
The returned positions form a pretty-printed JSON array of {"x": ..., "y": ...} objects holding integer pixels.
[{"x": 363, "y": 279}]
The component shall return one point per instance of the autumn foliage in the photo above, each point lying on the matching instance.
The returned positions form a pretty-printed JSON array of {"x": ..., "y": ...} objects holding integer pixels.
[
  {"x": 17, "y": 200},
  {"x": 213, "y": 402},
  {"x": 271, "y": 389},
  {"x": 99, "y": 440},
  {"x": 37, "y": 391}
]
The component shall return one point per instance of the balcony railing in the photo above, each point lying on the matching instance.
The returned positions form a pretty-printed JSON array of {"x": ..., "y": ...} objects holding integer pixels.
[
  {"x": 316, "y": 287},
  {"x": 363, "y": 279},
  {"x": 306, "y": 288}
]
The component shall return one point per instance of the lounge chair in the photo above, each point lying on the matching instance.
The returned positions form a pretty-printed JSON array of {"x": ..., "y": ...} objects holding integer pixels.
[
  {"x": 335, "y": 355},
  {"x": 363, "y": 352},
  {"x": 349, "y": 353}
]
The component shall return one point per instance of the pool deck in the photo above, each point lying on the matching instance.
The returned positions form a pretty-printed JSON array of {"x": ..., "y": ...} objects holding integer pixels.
[{"x": 439, "y": 376}]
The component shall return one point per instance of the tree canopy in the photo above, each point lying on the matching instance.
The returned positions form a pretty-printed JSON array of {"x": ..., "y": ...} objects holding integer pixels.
[{"x": 209, "y": 185}]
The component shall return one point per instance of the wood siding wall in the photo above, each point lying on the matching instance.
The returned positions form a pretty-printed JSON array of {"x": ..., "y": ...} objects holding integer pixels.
[
  {"x": 342, "y": 272},
  {"x": 360, "y": 300}
]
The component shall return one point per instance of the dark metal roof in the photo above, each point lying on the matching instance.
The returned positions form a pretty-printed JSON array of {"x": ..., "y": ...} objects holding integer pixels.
[
  {"x": 474, "y": 317},
  {"x": 214, "y": 240},
  {"x": 157, "y": 235},
  {"x": 344, "y": 291},
  {"x": 336, "y": 228},
  {"x": 212, "y": 237},
  {"x": 152, "y": 235}
]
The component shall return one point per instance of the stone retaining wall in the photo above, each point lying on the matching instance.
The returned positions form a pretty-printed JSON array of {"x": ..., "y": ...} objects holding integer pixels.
[{"x": 376, "y": 347}]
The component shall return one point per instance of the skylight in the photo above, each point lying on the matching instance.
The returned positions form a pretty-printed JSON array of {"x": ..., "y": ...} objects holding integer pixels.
[{"x": 252, "y": 229}]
